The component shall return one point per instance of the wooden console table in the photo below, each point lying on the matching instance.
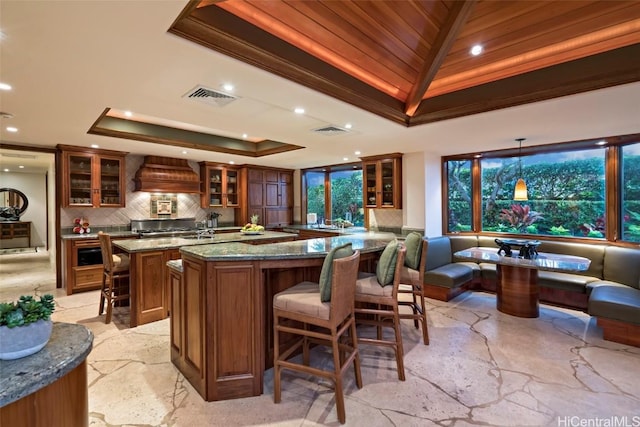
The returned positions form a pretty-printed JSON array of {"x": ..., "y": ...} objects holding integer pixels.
[
  {"x": 517, "y": 292},
  {"x": 16, "y": 230}
]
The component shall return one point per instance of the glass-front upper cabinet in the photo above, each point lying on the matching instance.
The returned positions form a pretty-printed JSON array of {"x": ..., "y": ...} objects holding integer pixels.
[
  {"x": 382, "y": 181},
  {"x": 110, "y": 181},
  {"x": 220, "y": 186},
  {"x": 92, "y": 178}
]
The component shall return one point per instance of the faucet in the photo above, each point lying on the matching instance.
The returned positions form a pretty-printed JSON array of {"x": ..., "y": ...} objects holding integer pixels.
[{"x": 205, "y": 232}]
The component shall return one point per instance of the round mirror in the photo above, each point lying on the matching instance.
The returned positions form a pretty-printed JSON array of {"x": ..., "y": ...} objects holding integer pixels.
[{"x": 13, "y": 203}]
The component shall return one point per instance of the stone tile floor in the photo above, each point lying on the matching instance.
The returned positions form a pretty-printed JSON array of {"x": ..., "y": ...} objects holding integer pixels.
[{"x": 483, "y": 367}]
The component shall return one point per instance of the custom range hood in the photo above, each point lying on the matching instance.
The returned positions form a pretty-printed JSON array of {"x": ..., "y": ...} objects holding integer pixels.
[{"x": 166, "y": 175}]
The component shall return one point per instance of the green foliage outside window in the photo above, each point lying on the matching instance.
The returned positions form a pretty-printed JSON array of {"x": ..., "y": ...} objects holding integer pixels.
[
  {"x": 459, "y": 189},
  {"x": 346, "y": 196},
  {"x": 566, "y": 193}
]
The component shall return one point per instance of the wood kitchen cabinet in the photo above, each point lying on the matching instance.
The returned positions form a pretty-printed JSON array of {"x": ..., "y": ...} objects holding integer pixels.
[
  {"x": 151, "y": 289},
  {"x": 269, "y": 194},
  {"x": 92, "y": 178},
  {"x": 382, "y": 181},
  {"x": 220, "y": 186},
  {"x": 82, "y": 264}
]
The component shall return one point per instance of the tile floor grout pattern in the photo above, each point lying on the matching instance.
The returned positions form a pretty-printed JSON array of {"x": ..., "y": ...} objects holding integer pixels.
[{"x": 482, "y": 367}]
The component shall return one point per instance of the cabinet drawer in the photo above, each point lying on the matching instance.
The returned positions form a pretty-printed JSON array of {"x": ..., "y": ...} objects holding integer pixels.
[{"x": 87, "y": 277}]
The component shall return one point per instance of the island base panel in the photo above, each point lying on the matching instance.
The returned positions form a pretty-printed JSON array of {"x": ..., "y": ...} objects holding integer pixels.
[
  {"x": 517, "y": 291},
  {"x": 63, "y": 403}
]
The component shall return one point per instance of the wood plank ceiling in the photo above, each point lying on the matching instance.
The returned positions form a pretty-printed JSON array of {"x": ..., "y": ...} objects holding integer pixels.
[{"x": 409, "y": 61}]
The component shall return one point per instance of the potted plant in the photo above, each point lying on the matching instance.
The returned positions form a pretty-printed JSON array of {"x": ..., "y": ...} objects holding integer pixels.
[{"x": 25, "y": 326}]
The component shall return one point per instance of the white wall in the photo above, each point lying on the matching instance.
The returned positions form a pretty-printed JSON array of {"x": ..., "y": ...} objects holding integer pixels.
[
  {"x": 413, "y": 197},
  {"x": 433, "y": 195},
  {"x": 34, "y": 187}
]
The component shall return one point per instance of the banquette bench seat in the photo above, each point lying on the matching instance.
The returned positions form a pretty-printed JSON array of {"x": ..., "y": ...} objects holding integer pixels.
[{"x": 608, "y": 290}]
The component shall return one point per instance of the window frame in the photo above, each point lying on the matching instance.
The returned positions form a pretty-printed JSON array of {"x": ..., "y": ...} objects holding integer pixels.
[{"x": 613, "y": 186}]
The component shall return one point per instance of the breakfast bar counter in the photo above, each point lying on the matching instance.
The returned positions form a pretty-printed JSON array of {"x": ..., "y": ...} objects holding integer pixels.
[{"x": 221, "y": 318}]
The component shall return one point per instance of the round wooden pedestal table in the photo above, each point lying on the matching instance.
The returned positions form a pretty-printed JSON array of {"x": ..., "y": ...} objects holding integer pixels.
[{"x": 517, "y": 291}]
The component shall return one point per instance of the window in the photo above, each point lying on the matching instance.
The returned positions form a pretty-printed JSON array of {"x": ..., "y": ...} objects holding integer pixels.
[
  {"x": 587, "y": 189},
  {"x": 630, "y": 194},
  {"x": 335, "y": 193},
  {"x": 459, "y": 191},
  {"x": 346, "y": 196},
  {"x": 565, "y": 191},
  {"x": 315, "y": 194}
]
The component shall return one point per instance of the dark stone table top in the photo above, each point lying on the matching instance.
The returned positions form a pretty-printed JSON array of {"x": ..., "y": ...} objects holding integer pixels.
[{"x": 69, "y": 346}]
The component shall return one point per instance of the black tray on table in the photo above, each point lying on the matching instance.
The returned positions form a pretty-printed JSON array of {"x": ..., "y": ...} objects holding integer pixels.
[{"x": 527, "y": 247}]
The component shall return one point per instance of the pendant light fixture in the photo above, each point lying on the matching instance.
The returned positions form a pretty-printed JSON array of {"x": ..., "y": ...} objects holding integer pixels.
[{"x": 520, "y": 192}]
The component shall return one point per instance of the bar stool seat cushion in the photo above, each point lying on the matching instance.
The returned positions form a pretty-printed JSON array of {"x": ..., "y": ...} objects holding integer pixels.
[
  {"x": 413, "y": 243},
  {"x": 409, "y": 275},
  {"x": 303, "y": 298},
  {"x": 327, "y": 269},
  {"x": 120, "y": 261},
  {"x": 367, "y": 284}
]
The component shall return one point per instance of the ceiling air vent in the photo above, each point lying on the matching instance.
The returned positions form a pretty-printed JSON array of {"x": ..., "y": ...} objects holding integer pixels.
[
  {"x": 209, "y": 96},
  {"x": 330, "y": 130}
]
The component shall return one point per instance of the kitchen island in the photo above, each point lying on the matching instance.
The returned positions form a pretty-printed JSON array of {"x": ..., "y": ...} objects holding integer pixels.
[
  {"x": 221, "y": 323},
  {"x": 149, "y": 279}
]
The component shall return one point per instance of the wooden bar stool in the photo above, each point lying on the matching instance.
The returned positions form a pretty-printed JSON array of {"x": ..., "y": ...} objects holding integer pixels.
[
  {"x": 115, "y": 277},
  {"x": 377, "y": 300},
  {"x": 412, "y": 277},
  {"x": 330, "y": 323}
]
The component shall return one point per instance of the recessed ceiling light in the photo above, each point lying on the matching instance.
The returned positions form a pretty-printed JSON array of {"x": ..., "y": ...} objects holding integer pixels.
[
  {"x": 348, "y": 126},
  {"x": 21, "y": 167},
  {"x": 357, "y": 153},
  {"x": 603, "y": 142},
  {"x": 299, "y": 110},
  {"x": 128, "y": 113},
  {"x": 476, "y": 50},
  {"x": 244, "y": 135},
  {"x": 228, "y": 87},
  {"x": 6, "y": 170},
  {"x": 184, "y": 151},
  {"x": 12, "y": 129},
  {"x": 95, "y": 146},
  {"x": 345, "y": 158},
  {"x": 477, "y": 156},
  {"x": 4, "y": 86},
  {"x": 231, "y": 162}
]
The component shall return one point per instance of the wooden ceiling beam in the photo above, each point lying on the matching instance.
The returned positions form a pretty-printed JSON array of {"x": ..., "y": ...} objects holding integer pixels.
[{"x": 447, "y": 36}]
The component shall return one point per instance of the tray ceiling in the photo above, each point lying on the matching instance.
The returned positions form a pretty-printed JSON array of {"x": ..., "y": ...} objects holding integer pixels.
[{"x": 410, "y": 61}]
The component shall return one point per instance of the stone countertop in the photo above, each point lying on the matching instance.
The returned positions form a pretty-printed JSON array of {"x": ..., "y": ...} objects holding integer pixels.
[
  {"x": 175, "y": 264},
  {"x": 128, "y": 233},
  {"x": 141, "y": 245},
  {"x": 87, "y": 236},
  {"x": 312, "y": 248},
  {"x": 69, "y": 346},
  {"x": 544, "y": 261},
  {"x": 326, "y": 228}
]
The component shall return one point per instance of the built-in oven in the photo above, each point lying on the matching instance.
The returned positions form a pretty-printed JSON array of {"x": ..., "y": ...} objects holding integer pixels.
[{"x": 89, "y": 256}]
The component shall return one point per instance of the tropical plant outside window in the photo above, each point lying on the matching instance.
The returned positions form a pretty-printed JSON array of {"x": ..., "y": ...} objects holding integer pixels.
[
  {"x": 630, "y": 192},
  {"x": 315, "y": 193},
  {"x": 459, "y": 189},
  {"x": 566, "y": 187},
  {"x": 566, "y": 194},
  {"x": 346, "y": 195}
]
